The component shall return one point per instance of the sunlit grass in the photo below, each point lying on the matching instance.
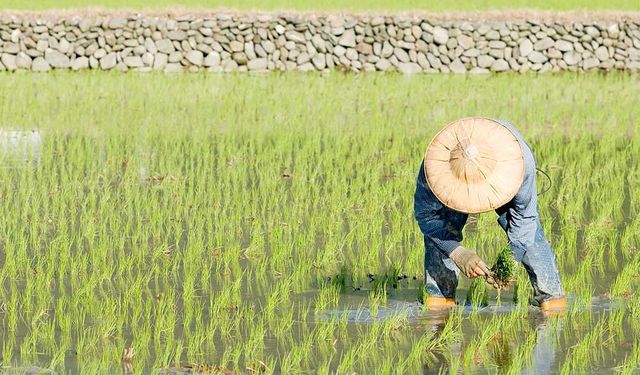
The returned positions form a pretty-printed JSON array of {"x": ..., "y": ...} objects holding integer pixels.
[{"x": 214, "y": 220}]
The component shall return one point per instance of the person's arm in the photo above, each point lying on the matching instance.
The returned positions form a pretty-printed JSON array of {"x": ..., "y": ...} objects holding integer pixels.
[
  {"x": 428, "y": 211},
  {"x": 522, "y": 217},
  {"x": 435, "y": 221}
]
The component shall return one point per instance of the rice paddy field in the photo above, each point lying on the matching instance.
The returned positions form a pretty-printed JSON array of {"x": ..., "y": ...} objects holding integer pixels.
[
  {"x": 360, "y": 5},
  {"x": 241, "y": 224}
]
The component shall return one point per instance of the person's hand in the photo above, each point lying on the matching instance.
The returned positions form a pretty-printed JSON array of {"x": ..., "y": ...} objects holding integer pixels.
[
  {"x": 490, "y": 279},
  {"x": 472, "y": 266},
  {"x": 469, "y": 263}
]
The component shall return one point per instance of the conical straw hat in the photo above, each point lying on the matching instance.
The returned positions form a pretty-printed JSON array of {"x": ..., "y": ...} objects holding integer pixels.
[{"x": 474, "y": 165}]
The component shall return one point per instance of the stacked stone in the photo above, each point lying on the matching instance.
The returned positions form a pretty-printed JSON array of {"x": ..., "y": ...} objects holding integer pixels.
[{"x": 226, "y": 43}]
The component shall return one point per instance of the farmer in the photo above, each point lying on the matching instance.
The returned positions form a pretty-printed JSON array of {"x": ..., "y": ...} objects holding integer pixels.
[{"x": 476, "y": 165}]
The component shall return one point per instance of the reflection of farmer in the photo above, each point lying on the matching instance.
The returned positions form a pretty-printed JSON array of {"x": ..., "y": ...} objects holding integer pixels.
[{"x": 475, "y": 165}]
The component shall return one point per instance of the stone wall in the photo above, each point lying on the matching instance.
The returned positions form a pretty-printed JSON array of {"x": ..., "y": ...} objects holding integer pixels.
[{"x": 261, "y": 42}]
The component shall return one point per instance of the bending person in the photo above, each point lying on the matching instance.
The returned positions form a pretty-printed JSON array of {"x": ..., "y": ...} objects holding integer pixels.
[{"x": 476, "y": 165}]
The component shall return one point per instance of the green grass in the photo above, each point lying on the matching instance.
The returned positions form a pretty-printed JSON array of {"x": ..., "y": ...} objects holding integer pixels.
[
  {"x": 213, "y": 221},
  {"x": 359, "y": 5}
]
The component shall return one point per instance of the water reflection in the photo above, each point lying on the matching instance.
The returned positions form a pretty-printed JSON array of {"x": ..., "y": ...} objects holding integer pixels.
[
  {"x": 544, "y": 351},
  {"x": 365, "y": 313},
  {"x": 504, "y": 351},
  {"x": 536, "y": 352},
  {"x": 19, "y": 147},
  {"x": 440, "y": 361}
]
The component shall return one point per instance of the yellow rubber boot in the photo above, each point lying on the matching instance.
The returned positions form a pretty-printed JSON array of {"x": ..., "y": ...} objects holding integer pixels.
[
  {"x": 440, "y": 303},
  {"x": 555, "y": 306}
]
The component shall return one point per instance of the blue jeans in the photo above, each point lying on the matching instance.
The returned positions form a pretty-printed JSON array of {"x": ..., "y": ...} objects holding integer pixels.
[{"x": 441, "y": 274}]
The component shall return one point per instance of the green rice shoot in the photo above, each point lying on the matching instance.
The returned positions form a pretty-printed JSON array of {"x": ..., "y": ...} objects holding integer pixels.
[{"x": 504, "y": 268}]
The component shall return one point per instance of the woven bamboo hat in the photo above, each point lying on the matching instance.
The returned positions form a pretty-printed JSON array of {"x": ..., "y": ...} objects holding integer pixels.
[{"x": 474, "y": 165}]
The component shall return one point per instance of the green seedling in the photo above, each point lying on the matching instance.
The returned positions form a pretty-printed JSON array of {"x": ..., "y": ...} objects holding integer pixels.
[
  {"x": 504, "y": 268},
  {"x": 235, "y": 225},
  {"x": 478, "y": 293}
]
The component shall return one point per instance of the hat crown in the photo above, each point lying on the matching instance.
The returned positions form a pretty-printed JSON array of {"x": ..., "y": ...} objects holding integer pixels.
[
  {"x": 471, "y": 152},
  {"x": 467, "y": 164}
]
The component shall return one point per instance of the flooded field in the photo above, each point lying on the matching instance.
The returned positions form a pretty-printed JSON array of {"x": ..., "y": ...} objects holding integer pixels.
[{"x": 203, "y": 224}]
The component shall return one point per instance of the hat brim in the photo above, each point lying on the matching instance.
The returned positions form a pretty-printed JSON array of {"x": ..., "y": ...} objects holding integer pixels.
[{"x": 498, "y": 161}]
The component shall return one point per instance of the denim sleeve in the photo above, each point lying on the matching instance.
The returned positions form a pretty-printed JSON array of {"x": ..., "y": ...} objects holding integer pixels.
[
  {"x": 522, "y": 211},
  {"x": 433, "y": 218},
  {"x": 521, "y": 219}
]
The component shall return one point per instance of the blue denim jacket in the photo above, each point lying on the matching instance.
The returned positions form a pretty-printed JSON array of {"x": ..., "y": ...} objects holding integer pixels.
[{"x": 519, "y": 218}]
